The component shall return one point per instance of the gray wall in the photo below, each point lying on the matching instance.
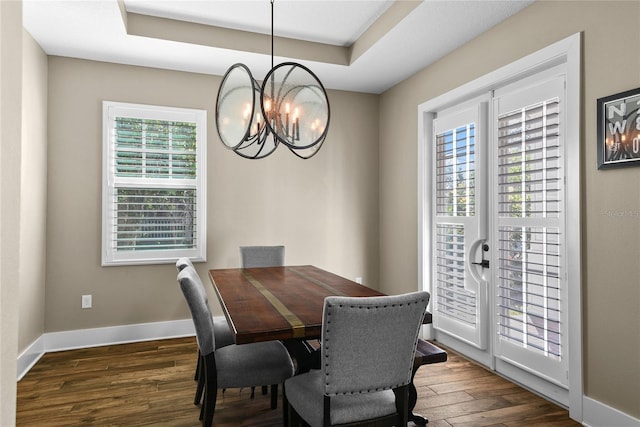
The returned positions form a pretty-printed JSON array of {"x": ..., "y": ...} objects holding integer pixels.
[
  {"x": 611, "y": 244},
  {"x": 324, "y": 210}
]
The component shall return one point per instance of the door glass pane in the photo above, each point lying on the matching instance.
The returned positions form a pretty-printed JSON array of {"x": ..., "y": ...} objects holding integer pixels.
[
  {"x": 455, "y": 171},
  {"x": 453, "y": 299},
  {"x": 529, "y": 180},
  {"x": 529, "y": 288}
]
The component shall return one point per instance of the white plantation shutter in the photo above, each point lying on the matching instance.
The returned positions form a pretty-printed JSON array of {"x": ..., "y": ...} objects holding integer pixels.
[
  {"x": 453, "y": 300},
  {"x": 530, "y": 276},
  {"x": 459, "y": 224},
  {"x": 153, "y": 195},
  {"x": 146, "y": 148}
]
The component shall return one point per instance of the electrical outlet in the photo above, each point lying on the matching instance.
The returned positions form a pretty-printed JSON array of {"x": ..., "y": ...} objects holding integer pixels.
[
  {"x": 86, "y": 301},
  {"x": 359, "y": 280}
]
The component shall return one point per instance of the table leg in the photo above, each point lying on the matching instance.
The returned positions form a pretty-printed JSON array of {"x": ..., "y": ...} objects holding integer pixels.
[
  {"x": 413, "y": 399},
  {"x": 306, "y": 357}
]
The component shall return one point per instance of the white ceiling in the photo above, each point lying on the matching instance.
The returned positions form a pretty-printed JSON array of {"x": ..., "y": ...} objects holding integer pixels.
[{"x": 94, "y": 29}]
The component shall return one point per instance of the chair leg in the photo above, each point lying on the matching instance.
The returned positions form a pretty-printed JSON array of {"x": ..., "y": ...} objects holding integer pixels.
[
  {"x": 292, "y": 418},
  {"x": 199, "y": 389},
  {"x": 274, "y": 396},
  {"x": 285, "y": 408},
  {"x": 402, "y": 404},
  {"x": 265, "y": 390},
  {"x": 209, "y": 407},
  {"x": 253, "y": 392},
  {"x": 199, "y": 377},
  {"x": 210, "y": 391},
  {"x": 198, "y": 368}
]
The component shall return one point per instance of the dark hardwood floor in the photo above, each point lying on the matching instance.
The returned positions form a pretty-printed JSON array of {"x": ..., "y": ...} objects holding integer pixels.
[{"x": 151, "y": 383}]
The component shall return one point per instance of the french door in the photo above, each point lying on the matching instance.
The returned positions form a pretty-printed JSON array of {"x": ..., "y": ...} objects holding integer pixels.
[
  {"x": 529, "y": 280},
  {"x": 460, "y": 222},
  {"x": 498, "y": 246}
]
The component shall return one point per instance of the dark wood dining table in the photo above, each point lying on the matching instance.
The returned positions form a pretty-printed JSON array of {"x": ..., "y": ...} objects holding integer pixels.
[
  {"x": 286, "y": 303},
  {"x": 280, "y": 303}
]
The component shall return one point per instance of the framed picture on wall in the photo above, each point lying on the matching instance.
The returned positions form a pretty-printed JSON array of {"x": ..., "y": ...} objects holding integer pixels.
[{"x": 619, "y": 130}]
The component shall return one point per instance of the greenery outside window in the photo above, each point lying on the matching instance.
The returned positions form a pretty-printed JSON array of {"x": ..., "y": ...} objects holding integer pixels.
[{"x": 153, "y": 196}]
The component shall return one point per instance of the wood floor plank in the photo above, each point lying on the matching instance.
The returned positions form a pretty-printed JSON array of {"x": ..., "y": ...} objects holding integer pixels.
[
  {"x": 446, "y": 399},
  {"x": 499, "y": 416},
  {"x": 482, "y": 383},
  {"x": 151, "y": 384}
]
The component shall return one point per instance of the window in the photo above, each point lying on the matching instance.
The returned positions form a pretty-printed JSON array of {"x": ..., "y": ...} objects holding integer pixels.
[{"x": 153, "y": 191}]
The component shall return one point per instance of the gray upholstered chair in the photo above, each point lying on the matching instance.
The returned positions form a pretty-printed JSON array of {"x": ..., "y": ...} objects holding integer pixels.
[
  {"x": 368, "y": 346},
  {"x": 261, "y": 256},
  {"x": 232, "y": 366},
  {"x": 221, "y": 330}
]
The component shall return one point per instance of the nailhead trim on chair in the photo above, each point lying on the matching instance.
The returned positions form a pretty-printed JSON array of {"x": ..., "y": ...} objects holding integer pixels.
[{"x": 326, "y": 347}]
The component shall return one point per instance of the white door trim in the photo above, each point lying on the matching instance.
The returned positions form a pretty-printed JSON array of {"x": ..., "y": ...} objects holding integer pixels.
[{"x": 565, "y": 51}]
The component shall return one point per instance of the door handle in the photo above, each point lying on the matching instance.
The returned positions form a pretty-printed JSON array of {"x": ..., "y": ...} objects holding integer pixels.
[{"x": 484, "y": 263}]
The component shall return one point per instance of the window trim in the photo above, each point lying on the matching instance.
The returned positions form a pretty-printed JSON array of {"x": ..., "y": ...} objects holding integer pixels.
[
  {"x": 109, "y": 256},
  {"x": 567, "y": 51}
]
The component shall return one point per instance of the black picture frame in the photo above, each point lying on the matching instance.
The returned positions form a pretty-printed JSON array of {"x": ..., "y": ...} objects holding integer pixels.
[{"x": 619, "y": 130}]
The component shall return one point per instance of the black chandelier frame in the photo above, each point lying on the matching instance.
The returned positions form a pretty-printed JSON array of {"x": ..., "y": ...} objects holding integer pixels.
[{"x": 261, "y": 134}]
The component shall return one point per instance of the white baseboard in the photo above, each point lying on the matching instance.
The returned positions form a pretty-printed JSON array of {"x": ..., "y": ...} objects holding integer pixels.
[
  {"x": 597, "y": 414},
  {"x": 96, "y": 337},
  {"x": 30, "y": 356}
]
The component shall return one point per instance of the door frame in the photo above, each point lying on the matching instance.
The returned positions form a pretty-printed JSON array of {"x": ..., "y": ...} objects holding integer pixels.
[{"x": 568, "y": 52}]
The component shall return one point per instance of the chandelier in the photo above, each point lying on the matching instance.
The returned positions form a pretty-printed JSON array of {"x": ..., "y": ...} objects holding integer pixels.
[{"x": 291, "y": 107}]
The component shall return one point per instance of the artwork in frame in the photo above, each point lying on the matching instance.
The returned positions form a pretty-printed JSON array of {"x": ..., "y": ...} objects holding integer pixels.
[{"x": 619, "y": 130}]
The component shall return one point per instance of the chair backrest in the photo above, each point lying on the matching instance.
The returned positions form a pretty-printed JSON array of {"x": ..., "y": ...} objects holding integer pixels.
[
  {"x": 184, "y": 262},
  {"x": 368, "y": 344},
  {"x": 262, "y": 256},
  {"x": 200, "y": 312}
]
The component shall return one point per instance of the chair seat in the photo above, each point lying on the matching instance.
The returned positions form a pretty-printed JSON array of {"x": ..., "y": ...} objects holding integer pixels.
[
  {"x": 304, "y": 393},
  {"x": 247, "y": 365}
]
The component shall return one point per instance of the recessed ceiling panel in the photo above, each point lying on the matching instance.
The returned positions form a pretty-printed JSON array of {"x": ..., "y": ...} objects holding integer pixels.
[{"x": 96, "y": 30}]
